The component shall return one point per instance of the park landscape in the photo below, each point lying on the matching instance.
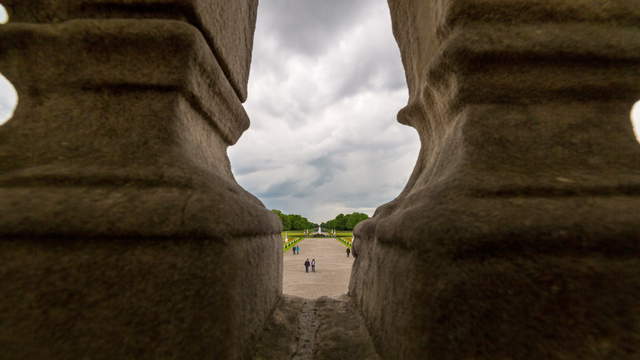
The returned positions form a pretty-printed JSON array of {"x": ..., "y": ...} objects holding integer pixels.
[
  {"x": 125, "y": 233},
  {"x": 297, "y": 228},
  {"x": 316, "y": 307},
  {"x": 326, "y": 243}
]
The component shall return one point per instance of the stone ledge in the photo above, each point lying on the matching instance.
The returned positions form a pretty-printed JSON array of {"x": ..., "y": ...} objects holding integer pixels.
[
  {"x": 227, "y": 26},
  {"x": 519, "y": 64},
  {"x": 141, "y": 128},
  {"x": 151, "y": 55},
  {"x": 541, "y": 11},
  {"x": 219, "y": 212},
  {"x": 455, "y": 226}
]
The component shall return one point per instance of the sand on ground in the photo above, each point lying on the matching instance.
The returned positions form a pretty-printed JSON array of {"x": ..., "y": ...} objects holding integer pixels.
[{"x": 333, "y": 269}]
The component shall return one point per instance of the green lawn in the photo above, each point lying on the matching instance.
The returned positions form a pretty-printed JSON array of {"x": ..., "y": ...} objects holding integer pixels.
[
  {"x": 291, "y": 243},
  {"x": 344, "y": 233},
  {"x": 346, "y": 241},
  {"x": 294, "y": 237},
  {"x": 292, "y": 234}
]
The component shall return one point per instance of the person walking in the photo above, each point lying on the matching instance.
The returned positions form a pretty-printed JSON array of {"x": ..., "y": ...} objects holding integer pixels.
[
  {"x": 298, "y": 249},
  {"x": 306, "y": 265},
  {"x": 313, "y": 265},
  {"x": 348, "y": 251},
  {"x": 294, "y": 249}
]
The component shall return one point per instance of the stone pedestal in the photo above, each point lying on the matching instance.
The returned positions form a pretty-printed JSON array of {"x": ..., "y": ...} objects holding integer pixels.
[
  {"x": 124, "y": 234},
  {"x": 517, "y": 236}
]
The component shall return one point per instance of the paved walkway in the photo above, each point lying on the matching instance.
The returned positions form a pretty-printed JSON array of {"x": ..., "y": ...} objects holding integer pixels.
[{"x": 333, "y": 269}]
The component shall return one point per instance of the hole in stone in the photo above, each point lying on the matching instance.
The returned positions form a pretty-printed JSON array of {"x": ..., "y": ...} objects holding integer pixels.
[
  {"x": 4, "y": 15},
  {"x": 635, "y": 119},
  {"x": 8, "y": 100},
  {"x": 326, "y": 84}
]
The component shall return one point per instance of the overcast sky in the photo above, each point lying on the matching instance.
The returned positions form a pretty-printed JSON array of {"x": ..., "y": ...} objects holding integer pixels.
[
  {"x": 326, "y": 84},
  {"x": 8, "y": 99},
  {"x": 4, "y": 17}
]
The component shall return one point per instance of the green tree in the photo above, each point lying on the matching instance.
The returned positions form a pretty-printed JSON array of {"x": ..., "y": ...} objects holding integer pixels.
[
  {"x": 284, "y": 219},
  {"x": 354, "y": 219},
  {"x": 294, "y": 221},
  {"x": 345, "y": 222}
]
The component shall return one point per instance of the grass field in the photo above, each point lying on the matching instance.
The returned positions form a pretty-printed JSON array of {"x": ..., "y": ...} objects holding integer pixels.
[
  {"x": 346, "y": 241},
  {"x": 292, "y": 241},
  {"x": 290, "y": 238},
  {"x": 344, "y": 233},
  {"x": 291, "y": 234}
]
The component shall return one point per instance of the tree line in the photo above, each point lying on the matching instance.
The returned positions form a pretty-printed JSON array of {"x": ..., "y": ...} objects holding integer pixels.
[
  {"x": 294, "y": 221},
  {"x": 345, "y": 222}
]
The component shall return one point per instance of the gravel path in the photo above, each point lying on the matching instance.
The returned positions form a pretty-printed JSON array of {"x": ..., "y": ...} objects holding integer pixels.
[{"x": 333, "y": 269}]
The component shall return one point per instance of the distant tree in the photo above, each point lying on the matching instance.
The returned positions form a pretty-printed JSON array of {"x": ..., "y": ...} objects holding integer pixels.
[
  {"x": 284, "y": 219},
  {"x": 354, "y": 219},
  {"x": 294, "y": 221},
  {"x": 345, "y": 222}
]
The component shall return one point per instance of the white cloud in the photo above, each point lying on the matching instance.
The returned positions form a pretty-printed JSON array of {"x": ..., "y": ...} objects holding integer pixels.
[
  {"x": 8, "y": 100},
  {"x": 4, "y": 16},
  {"x": 324, "y": 138},
  {"x": 635, "y": 119}
]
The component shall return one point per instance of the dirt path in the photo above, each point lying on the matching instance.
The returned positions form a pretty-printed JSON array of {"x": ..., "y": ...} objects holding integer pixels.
[{"x": 333, "y": 269}]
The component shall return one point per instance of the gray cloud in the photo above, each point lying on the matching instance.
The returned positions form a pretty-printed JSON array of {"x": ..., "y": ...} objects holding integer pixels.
[
  {"x": 326, "y": 84},
  {"x": 307, "y": 27},
  {"x": 8, "y": 99}
]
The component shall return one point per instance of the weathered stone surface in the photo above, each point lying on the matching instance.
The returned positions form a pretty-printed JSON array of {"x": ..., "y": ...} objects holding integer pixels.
[
  {"x": 146, "y": 105},
  {"x": 124, "y": 234},
  {"x": 517, "y": 234},
  {"x": 227, "y": 26},
  {"x": 179, "y": 298},
  {"x": 323, "y": 329}
]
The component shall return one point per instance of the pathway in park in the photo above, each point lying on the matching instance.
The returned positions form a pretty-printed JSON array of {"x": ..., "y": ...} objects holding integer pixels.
[
  {"x": 333, "y": 269},
  {"x": 315, "y": 320}
]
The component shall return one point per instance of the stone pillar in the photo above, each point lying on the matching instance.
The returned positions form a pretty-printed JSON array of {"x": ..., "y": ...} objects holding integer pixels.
[
  {"x": 123, "y": 233},
  {"x": 518, "y": 234}
]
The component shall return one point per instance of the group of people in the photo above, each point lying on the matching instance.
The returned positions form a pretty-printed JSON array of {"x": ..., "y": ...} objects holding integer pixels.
[
  {"x": 312, "y": 264},
  {"x": 307, "y": 263}
]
